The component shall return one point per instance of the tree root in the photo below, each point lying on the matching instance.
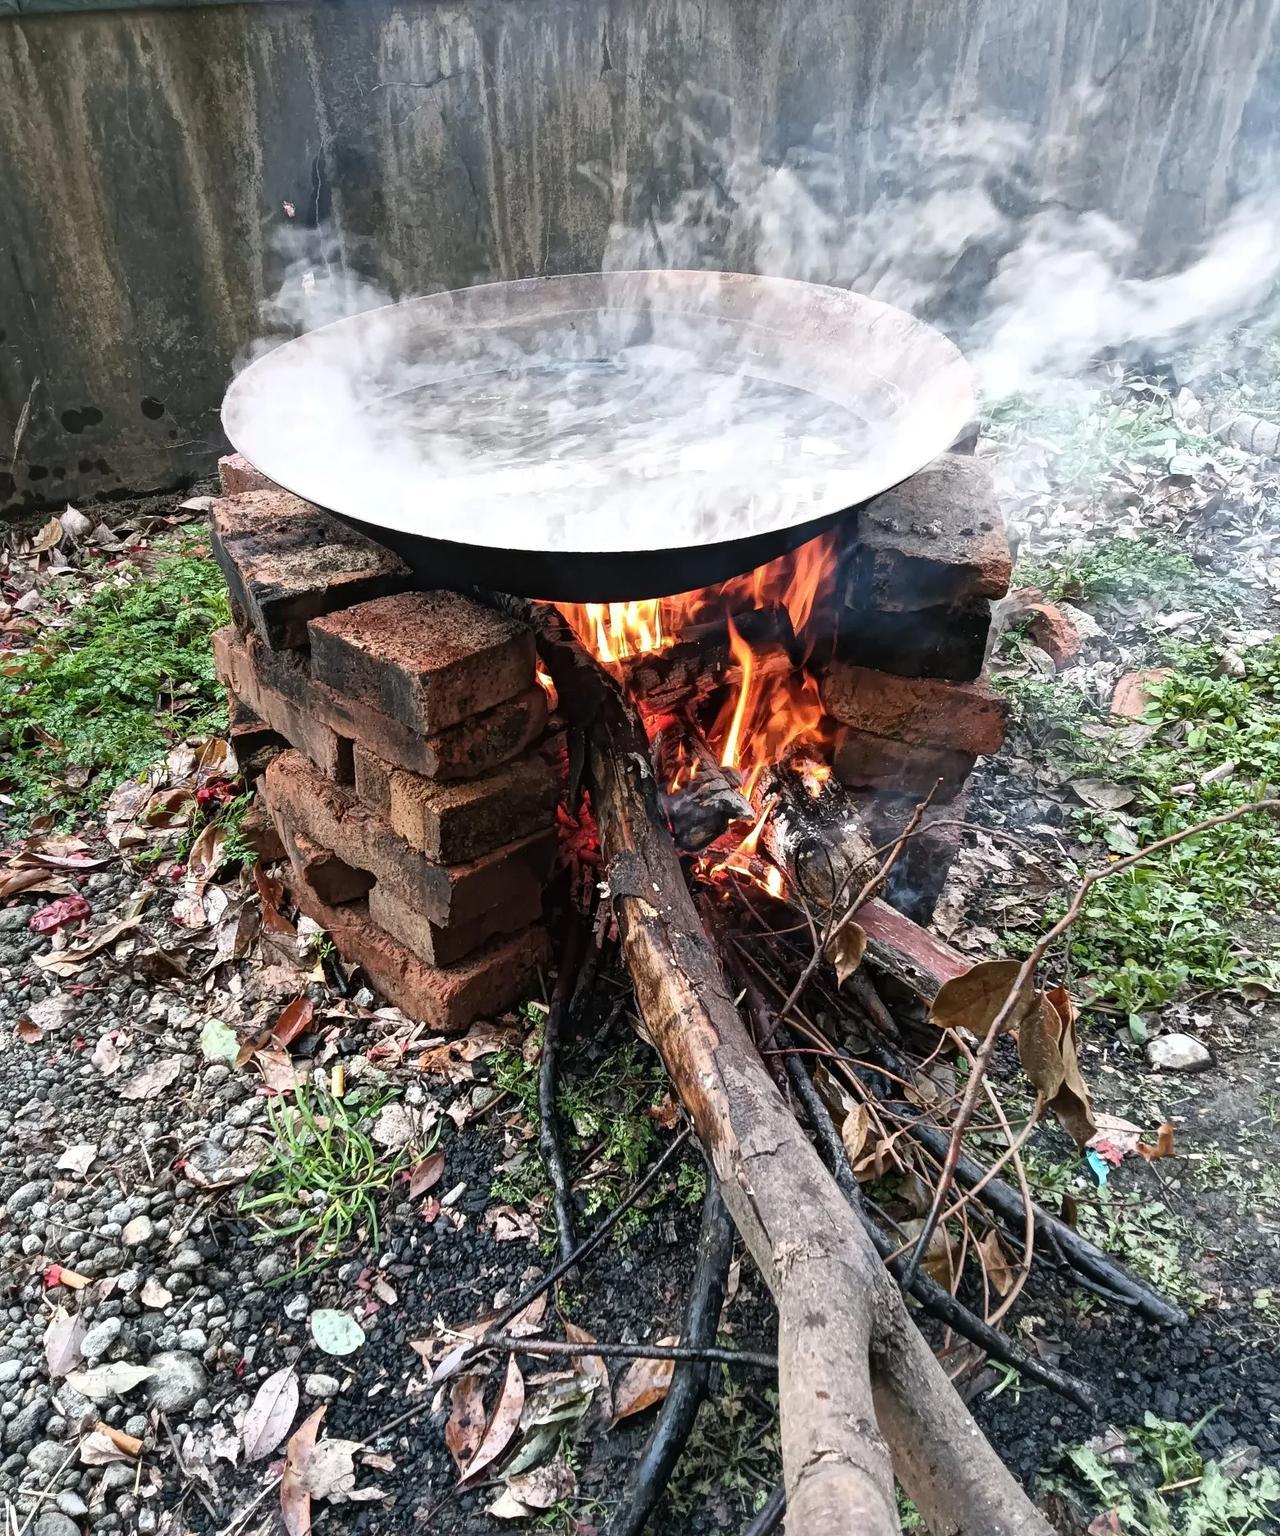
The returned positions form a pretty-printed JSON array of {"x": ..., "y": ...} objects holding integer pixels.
[{"x": 679, "y": 1411}]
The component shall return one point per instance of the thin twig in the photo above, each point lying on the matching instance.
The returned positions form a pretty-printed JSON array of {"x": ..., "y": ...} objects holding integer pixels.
[
  {"x": 712, "y": 1354},
  {"x": 549, "y": 1143},
  {"x": 1016, "y": 998}
]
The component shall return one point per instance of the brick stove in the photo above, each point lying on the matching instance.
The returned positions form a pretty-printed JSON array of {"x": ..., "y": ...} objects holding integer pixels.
[{"x": 403, "y": 745}]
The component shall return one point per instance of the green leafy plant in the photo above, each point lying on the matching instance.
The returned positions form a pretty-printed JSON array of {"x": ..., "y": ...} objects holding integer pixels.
[
  {"x": 733, "y": 1454},
  {"x": 106, "y": 694},
  {"x": 323, "y": 1179}
]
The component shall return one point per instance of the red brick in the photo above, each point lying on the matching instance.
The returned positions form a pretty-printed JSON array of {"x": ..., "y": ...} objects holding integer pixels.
[
  {"x": 446, "y": 893},
  {"x": 286, "y": 562},
  {"x": 864, "y": 761},
  {"x": 236, "y": 476},
  {"x": 936, "y": 538},
  {"x": 259, "y": 832},
  {"x": 457, "y": 821},
  {"x": 917, "y": 878},
  {"x": 373, "y": 781},
  {"x": 282, "y": 715},
  {"x": 463, "y": 751},
  {"x": 448, "y": 999},
  {"x": 443, "y": 946},
  {"x": 324, "y": 874},
  {"x": 429, "y": 660},
  {"x": 923, "y": 711}
]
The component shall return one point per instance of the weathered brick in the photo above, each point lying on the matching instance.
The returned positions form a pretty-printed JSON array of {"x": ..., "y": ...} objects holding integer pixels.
[
  {"x": 259, "y": 832},
  {"x": 281, "y": 714},
  {"x": 936, "y": 538},
  {"x": 324, "y": 874},
  {"x": 236, "y": 476},
  {"x": 429, "y": 660},
  {"x": 446, "y": 893},
  {"x": 444, "y": 946},
  {"x": 287, "y": 562},
  {"x": 451, "y": 822},
  {"x": 373, "y": 781},
  {"x": 918, "y": 876},
  {"x": 449, "y": 998},
  {"x": 863, "y": 761},
  {"x": 926, "y": 711},
  {"x": 462, "y": 751},
  {"x": 948, "y": 641}
]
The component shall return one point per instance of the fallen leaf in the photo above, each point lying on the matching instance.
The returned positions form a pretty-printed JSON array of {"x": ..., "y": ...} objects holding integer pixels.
[
  {"x": 78, "y": 1159},
  {"x": 427, "y": 1174},
  {"x": 98, "y": 1449},
  {"x": 294, "y": 1018},
  {"x": 67, "y": 909},
  {"x": 509, "y": 1225},
  {"x": 1103, "y": 795},
  {"x": 218, "y": 1041},
  {"x": 937, "y": 1256},
  {"x": 105, "y": 1056},
  {"x": 154, "y": 1295},
  {"x": 269, "y": 1416},
  {"x": 28, "y": 1033},
  {"x": 47, "y": 537},
  {"x": 1163, "y": 1145},
  {"x": 466, "y": 1423},
  {"x": 594, "y": 1368},
  {"x": 102, "y": 1382},
  {"x": 507, "y": 1507},
  {"x": 14, "y": 881},
  {"x": 996, "y": 1263},
  {"x": 853, "y": 1132},
  {"x": 330, "y": 1470},
  {"x": 278, "y": 1071},
  {"x": 545, "y": 1485},
  {"x": 337, "y": 1333},
  {"x": 153, "y": 1079},
  {"x": 642, "y": 1384},
  {"x": 295, "y": 1501},
  {"x": 62, "y": 1339},
  {"x": 211, "y": 1167},
  {"x": 504, "y": 1422},
  {"x": 845, "y": 951},
  {"x": 973, "y": 999}
]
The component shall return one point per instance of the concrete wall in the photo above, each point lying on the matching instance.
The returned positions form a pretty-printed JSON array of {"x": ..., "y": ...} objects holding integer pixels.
[{"x": 145, "y": 157}]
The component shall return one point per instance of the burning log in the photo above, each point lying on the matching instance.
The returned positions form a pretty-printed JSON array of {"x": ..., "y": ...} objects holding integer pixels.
[
  {"x": 815, "y": 834},
  {"x": 862, "y": 1396},
  {"x": 687, "y": 673},
  {"x": 709, "y": 802}
]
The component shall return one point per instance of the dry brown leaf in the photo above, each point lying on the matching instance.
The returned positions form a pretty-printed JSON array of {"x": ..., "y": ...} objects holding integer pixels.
[
  {"x": 853, "y": 1132},
  {"x": 996, "y": 1263},
  {"x": 666, "y": 1113},
  {"x": 642, "y": 1384},
  {"x": 1071, "y": 1103},
  {"x": 544, "y": 1486},
  {"x": 427, "y": 1174},
  {"x": 1039, "y": 1048},
  {"x": 99, "y": 1449},
  {"x": 1163, "y": 1145},
  {"x": 594, "y": 1367},
  {"x": 269, "y": 1416},
  {"x": 62, "y": 1339},
  {"x": 295, "y": 1501},
  {"x": 504, "y": 1423},
  {"x": 972, "y": 1000},
  {"x": 28, "y": 1033},
  {"x": 153, "y": 1079},
  {"x": 937, "y": 1259},
  {"x": 466, "y": 1425},
  {"x": 845, "y": 951}
]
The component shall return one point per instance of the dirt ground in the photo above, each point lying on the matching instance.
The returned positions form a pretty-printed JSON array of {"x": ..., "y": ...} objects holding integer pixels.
[{"x": 125, "y": 1130}]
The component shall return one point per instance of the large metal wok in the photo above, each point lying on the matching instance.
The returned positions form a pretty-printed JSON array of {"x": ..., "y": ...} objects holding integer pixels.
[{"x": 603, "y": 436}]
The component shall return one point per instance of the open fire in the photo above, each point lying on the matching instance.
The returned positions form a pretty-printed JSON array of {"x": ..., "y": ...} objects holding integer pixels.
[{"x": 764, "y": 709}]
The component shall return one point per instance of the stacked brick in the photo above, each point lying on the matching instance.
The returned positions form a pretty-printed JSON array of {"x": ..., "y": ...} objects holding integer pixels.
[
  {"x": 919, "y": 572},
  {"x": 401, "y": 743}
]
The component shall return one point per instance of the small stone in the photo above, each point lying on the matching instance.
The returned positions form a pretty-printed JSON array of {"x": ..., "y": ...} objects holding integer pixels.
[
  {"x": 192, "y": 1340},
  {"x": 319, "y": 1385},
  {"x": 178, "y": 1381},
  {"x": 297, "y": 1307},
  {"x": 137, "y": 1232},
  {"x": 27, "y": 1422},
  {"x": 55, "y": 1523},
  {"x": 100, "y": 1338},
  {"x": 136, "y": 1425},
  {"x": 1177, "y": 1053},
  {"x": 44, "y": 1460},
  {"x": 9, "y": 1371},
  {"x": 25, "y": 1196},
  {"x": 270, "y": 1267},
  {"x": 188, "y": 1259},
  {"x": 70, "y": 1503}
]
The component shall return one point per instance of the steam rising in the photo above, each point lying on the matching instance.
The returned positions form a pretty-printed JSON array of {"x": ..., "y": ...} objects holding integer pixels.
[{"x": 659, "y": 421}]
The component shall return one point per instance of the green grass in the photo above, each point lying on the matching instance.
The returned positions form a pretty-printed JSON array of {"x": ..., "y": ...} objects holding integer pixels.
[
  {"x": 1185, "y": 920},
  {"x": 1117, "y": 570},
  {"x": 734, "y": 1454},
  {"x": 1170, "y": 1489},
  {"x": 321, "y": 1186},
  {"x": 602, "y": 1115},
  {"x": 106, "y": 695}
]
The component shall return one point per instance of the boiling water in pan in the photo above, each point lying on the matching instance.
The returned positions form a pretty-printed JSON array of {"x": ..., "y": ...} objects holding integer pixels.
[{"x": 614, "y": 453}]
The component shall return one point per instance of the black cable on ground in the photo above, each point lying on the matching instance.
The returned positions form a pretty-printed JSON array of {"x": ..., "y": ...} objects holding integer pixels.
[
  {"x": 549, "y": 1143},
  {"x": 769, "y": 1517},
  {"x": 650, "y": 1475}
]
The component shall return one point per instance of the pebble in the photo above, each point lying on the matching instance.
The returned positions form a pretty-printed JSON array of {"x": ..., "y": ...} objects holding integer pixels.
[
  {"x": 70, "y": 1503},
  {"x": 100, "y": 1338},
  {"x": 54, "y": 1523},
  {"x": 137, "y": 1232},
  {"x": 188, "y": 1259},
  {"x": 1177, "y": 1053},
  {"x": 320, "y": 1385},
  {"x": 179, "y": 1380},
  {"x": 44, "y": 1460},
  {"x": 25, "y": 1196},
  {"x": 27, "y": 1422},
  {"x": 297, "y": 1307}
]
